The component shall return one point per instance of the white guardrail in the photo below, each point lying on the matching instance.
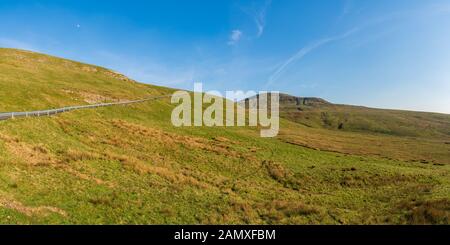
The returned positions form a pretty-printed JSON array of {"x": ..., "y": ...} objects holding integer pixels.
[{"x": 11, "y": 115}]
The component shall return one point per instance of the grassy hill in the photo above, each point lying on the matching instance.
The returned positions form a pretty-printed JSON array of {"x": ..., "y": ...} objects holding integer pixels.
[
  {"x": 129, "y": 165},
  {"x": 392, "y": 134},
  {"x": 318, "y": 113}
]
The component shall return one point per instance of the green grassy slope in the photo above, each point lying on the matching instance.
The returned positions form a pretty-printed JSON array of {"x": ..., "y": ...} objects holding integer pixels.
[
  {"x": 313, "y": 112},
  {"x": 128, "y": 164},
  {"x": 32, "y": 81},
  {"x": 393, "y": 134}
]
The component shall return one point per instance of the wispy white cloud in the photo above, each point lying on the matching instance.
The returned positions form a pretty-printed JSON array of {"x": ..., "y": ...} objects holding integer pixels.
[
  {"x": 235, "y": 36},
  {"x": 258, "y": 15},
  {"x": 304, "y": 51},
  {"x": 260, "y": 18},
  {"x": 424, "y": 12}
]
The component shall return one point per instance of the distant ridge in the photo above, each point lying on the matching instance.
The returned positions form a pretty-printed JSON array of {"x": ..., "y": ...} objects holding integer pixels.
[
  {"x": 287, "y": 100},
  {"x": 319, "y": 113}
]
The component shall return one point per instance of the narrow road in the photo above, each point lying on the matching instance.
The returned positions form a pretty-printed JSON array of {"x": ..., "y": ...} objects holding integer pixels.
[{"x": 11, "y": 115}]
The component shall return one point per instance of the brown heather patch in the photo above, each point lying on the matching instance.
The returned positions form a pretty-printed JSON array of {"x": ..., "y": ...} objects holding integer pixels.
[
  {"x": 167, "y": 138},
  {"x": 277, "y": 210},
  {"x": 221, "y": 139},
  {"x": 140, "y": 167},
  {"x": 425, "y": 211},
  {"x": 219, "y": 145},
  {"x": 35, "y": 155},
  {"x": 214, "y": 180},
  {"x": 88, "y": 177},
  {"x": 73, "y": 155},
  {"x": 10, "y": 203},
  {"x": 363, "y": 179},
  {"x": 237, "y": 211},
  {"x": 177, "y": 178},
  {"x": 38, "y": 155},
  {"x": 282, "y": 175},
  {"x": 119, "y": 142},
  {"x": 64, "y": 124}
]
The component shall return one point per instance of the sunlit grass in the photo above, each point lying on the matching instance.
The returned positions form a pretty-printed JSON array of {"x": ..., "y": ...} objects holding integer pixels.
[{"x": 129, "y": 165}]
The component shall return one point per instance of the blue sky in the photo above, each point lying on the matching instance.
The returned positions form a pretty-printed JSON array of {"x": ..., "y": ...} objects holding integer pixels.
[{"x": 388, "y": 54}]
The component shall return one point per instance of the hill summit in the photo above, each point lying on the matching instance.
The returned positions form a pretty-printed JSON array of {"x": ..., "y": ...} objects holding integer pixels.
[{"x": 287, "y": 100}]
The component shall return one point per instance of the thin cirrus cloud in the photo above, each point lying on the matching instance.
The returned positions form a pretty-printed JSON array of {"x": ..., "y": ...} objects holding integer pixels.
[
  {"x": 304, "y": 51},
  {"x": 235, "y": 36},
  {"x": 260, "y": 18},
  {"x": 433, "y": 10}
]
